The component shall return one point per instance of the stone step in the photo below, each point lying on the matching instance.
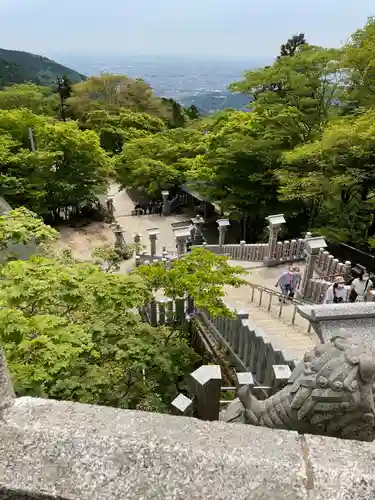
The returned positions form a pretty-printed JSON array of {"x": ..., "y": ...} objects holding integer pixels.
[{"x": 292, "y": 340}]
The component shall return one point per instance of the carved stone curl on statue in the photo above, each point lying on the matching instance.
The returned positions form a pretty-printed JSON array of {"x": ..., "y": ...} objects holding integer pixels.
[{"x": 331, "y": 393}]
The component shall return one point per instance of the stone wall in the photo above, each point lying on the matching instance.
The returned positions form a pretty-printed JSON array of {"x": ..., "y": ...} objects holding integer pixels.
[
  {"x": 245, "y": 345},
  {"x": 61, "y": 450}
]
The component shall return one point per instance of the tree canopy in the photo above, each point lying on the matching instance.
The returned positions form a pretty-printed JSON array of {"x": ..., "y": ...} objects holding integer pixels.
[
  {"x": 112, "y": 93},
  {"x": 199, "y": 274},
  {"x": 69, "y": 330},
  {"x": 67, "y": 168}
]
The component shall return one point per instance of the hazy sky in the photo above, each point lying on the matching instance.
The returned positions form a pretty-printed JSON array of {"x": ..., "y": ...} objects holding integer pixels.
[{"x": 233, "y": 28}]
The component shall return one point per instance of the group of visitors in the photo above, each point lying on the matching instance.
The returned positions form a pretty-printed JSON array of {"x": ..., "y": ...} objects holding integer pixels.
[
  {"x": 149, "y": 207},
  {"x": 289, "y": 282},
  {"x": 358, "y": 291}
]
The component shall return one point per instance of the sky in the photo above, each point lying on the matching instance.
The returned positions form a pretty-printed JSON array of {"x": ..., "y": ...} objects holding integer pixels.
[{"x": 205, "y": 28}]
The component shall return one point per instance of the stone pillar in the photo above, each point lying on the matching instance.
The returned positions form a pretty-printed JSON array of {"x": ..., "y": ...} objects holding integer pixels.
[
  {"x": 153, "y": 234},
  {"x": 182, "y": 236},
  {"x": 312, "y": 248},
  {"x": 222, "y": 226},
  {"x": 182, "y": 406},
  {"x": 137, "y": 242},
  {"x": 6, "y": 388},
  {"x": 198, "y": 238},
  {"x": 347, "y": 270},
  {"x": 109, "y": 202},
  {"x": 275, "y": 223},
  {"x": 181, "y": 247},
  {"x": 165, "y": 195},
  {"x": 119, "y": 236},
  {"x": 205, "y": 383}
]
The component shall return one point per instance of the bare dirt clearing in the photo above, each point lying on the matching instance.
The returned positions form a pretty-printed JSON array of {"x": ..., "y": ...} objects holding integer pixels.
[{"x": 82, "y": 241}]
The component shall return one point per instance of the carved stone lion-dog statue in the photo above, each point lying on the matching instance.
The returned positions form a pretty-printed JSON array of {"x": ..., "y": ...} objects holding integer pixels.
[{"x": 331, "y": 393}]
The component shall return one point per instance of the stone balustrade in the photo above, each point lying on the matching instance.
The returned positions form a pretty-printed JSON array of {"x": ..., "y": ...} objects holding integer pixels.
[
  {"x": 328, "y": 267},
  {"x": 69, "y": 451}
]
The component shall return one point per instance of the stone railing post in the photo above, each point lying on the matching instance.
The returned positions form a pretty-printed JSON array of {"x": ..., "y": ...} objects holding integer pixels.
[
  {"x": 7, "y": 395},
  {"x": 222, "y": 226},
  {"x": 137, "y": 243},
  {"x": 198, "y": 238},
  {"x": 181, "y": 236},
  {"x": 347, "y": 270},
  {"x": 281, "y": 375},
  {"x": 275, "y": 223},
  {"x": 182, "y": 406},
  {"x": 153, "y": 234},
  {"x": 206, "y": 385},
  {"x": 312, "y": 249},
  {"x": 165, "y": 195}
]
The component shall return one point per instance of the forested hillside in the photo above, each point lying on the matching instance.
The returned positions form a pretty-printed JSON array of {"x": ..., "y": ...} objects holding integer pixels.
[{"x": 19, "y": 67}]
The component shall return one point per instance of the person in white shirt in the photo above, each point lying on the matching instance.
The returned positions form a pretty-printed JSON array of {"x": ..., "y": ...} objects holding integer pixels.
[
  {"x": 360, "y": 288},
  {"x": 336, "y": 293}
]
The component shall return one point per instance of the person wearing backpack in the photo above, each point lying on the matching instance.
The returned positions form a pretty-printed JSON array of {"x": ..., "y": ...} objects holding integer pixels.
[
  {"x": 336, "y": 293},
  {"x": 360, "y": 288}
]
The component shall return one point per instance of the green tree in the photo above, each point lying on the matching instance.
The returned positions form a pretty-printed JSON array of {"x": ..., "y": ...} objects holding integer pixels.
[
  {"x": 68, "y": 167},
  {"x": 305, "y": 96},
  {"x": 21, "y": 228},
  {"x": 292, "y": 45},
  {"x": 64, "y": 89},
  {"x": 117, "y": 129},
  {"x": 177, "y": 116},
  {"x": 40, "y": 100},
  {"x": 359, "y": 64},
  {"x": 199, "y": 274},
  {"x": 112, "y": 93},
  {"x": 69, "y": 330},
  {"x": 192, "y": 112},
  {"x": 160, "y": 161},
  {"x": 335, "y": 176},
  {"x": 237, "y": 172}
]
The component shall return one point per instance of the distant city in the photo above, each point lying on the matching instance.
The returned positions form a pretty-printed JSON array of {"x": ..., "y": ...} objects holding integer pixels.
[{"x": 189, "y": 81}]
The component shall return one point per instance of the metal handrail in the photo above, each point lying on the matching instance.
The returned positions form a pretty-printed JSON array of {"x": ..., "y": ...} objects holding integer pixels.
[{"x": 273, "y": 293}]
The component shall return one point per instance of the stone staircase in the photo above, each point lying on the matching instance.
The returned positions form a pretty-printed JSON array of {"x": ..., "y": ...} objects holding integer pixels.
[
  {"x": 279, "y": 323},
  {"x": 292, "y": 339}
]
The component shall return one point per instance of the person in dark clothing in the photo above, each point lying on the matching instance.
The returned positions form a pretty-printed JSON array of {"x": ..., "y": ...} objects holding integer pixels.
[
  {"x": 160, "y": 208},
  {"x": 138, "y": 209},
  {"x": 144, "y": 207}
]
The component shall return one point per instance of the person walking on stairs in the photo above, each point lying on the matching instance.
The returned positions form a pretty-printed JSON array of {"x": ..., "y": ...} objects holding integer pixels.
[
  {"x": 336, "y": 293},
  {"x": 285, "y": 283},
  {"x": 360, "y": 288}
]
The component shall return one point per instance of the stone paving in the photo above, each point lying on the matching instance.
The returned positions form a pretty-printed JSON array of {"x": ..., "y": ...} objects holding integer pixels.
[
  {"x": 133, "y": 224},
  {"x": 292, "y": 339}
]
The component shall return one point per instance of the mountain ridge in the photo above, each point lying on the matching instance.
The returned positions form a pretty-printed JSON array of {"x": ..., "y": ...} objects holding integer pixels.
[{"x": 18, "y": 66}]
